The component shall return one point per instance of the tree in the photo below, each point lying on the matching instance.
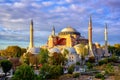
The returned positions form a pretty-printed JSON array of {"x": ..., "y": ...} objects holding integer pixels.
[
  {"x": 25, "y": 58},
  {"x": 23, "y": 50},
  {"x": 4, "y": 53},
  {"x": 6, "y": 66},
  {"x": 71, "y": 69},
  {"x": 50, "y": 71},
  {"x": 34, "y": 60},
  {"x": 43, "y": 56},
  {"x": 15, "y": 51},
  {"x": 83, "y": 51},
  {"x": 57, "y": 59},
  {"x": 24, "y": 72}
]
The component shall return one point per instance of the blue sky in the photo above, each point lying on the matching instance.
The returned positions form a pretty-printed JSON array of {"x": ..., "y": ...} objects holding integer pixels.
[{"x": 15, "y": 16}]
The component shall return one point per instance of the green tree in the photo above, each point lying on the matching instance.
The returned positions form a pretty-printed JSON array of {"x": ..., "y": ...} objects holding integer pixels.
[
  {"x": 43, "y": 56},
  {"x": 50, "y": 71},
  {"x": 6, "y": 66},
  {"x": 24, "y": 72},
  {"x": 71, "y": 69}
]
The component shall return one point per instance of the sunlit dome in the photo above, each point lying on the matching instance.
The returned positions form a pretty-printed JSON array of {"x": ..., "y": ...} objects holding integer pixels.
[{"x": 68, "y": 29}]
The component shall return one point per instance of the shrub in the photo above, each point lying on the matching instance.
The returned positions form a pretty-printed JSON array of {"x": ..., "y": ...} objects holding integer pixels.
[
  {"x": 71, "y": 69},
  {"x": 24, "y": 72},
  {"x": 76, "y": 75},
  {"x": 77, "y": 63},
  {"x": 89, "y": 65},
  {"x": 104, "y": 61},
  {"x": 65, "y": 77},
  {"x": 99, "y": 76},
  {"x": 109, "y": 69}
]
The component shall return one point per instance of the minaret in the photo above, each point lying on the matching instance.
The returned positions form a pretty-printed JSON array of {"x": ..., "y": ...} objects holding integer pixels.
[
  {"x": 31, "y": 45},
  {"x": 106, "y": 41},
  {"x": 53, "y": 31},
  {"x": 90, "y": 38}
]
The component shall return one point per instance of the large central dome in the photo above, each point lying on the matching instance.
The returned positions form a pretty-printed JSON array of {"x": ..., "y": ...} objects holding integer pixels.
[{"x": 68, "y": 29}]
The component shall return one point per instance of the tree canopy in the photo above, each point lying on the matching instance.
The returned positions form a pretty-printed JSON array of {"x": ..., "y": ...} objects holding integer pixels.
[
  {"x": 24, "y": 72},
  {"x": 6, "y": 66}
]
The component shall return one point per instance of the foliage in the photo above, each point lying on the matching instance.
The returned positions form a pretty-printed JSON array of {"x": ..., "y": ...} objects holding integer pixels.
[
  {"x": 24, "y": 72},
  {"x": 25, "y": 58},
  {"x": 91, "y": 59},
  {"x": 89, "y": 65},
  {"x": 114, "y": 49},
  {"x": 57, "y": 59},
  {"x": 66, "y": 77},
  {"x": 77, "y": 63},
  {"x": 71, "y": 69},
  {"x": 43, "y": 56},
  {"x": 33, "y": 60},
  {"x": 23, "y": 50},
  {"x": 109, "y": 69},
  {"x": 99, "y": 75},
  {"x": 113, "y": 58},
  {"x": 14, "y": 50},
  {"x": 6, "y": 66},
  {"x": 65, "y": 53},
  {"x": 104, "y": 61},
  {"x": 50, "y": 71},
  {"x": 76, "y": 75},
  {"x": 4, "y": 53}
]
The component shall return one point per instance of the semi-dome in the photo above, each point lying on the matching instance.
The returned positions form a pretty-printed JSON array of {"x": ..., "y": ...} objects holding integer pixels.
[
  {"x": 54, "y": 50},
  {"x": 34, "y": 50},
  {"x": 68, "y": 29},
  {"x": 71, "y": 50}
]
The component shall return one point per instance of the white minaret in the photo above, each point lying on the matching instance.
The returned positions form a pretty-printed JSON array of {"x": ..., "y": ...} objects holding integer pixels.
[
  {"x": 31, "y": 45},
  {"x": 106, "y": 42},
  {"x": 90, "y": 38}
]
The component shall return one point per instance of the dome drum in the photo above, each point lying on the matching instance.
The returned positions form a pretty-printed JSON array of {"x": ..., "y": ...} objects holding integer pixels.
[{"x": 65, "y": 33}]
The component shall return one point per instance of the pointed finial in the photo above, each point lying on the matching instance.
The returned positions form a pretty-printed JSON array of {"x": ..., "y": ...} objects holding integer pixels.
[
  {"x": 32, "y": 21},
  {"x": 90, "y": 18},
  {"x": 53, "y": 31},
  {"x": 106, "y": 25}
]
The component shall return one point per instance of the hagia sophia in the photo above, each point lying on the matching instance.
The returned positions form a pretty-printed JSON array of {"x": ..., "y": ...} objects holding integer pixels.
[{"x": 72, "y": 40}]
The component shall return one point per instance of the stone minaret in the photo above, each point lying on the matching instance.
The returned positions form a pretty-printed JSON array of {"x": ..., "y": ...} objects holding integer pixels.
[
  {"x": 90, "y": 38},
  {"x": 106, "y": 42},
  {"x": 31, "y": 45},
  {"x": 53, "y": 31}
]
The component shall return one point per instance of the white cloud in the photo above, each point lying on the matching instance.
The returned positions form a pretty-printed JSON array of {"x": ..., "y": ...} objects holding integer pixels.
[
  {"x": 36, "y": 5},
  {"x": 19, "y": 5},
  {"x": 47, "y": 3}
]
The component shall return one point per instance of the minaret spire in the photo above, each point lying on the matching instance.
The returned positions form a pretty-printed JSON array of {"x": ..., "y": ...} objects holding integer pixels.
[
  {"x": 90, "y": 37},
  {"x": 31, "y": 45},
  {"x": 106, "y": 41},
  {"x": 53, "y": 31}
]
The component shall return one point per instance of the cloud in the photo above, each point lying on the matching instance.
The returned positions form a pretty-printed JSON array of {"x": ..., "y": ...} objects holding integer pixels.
[{"x": 15, "y": 17}]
